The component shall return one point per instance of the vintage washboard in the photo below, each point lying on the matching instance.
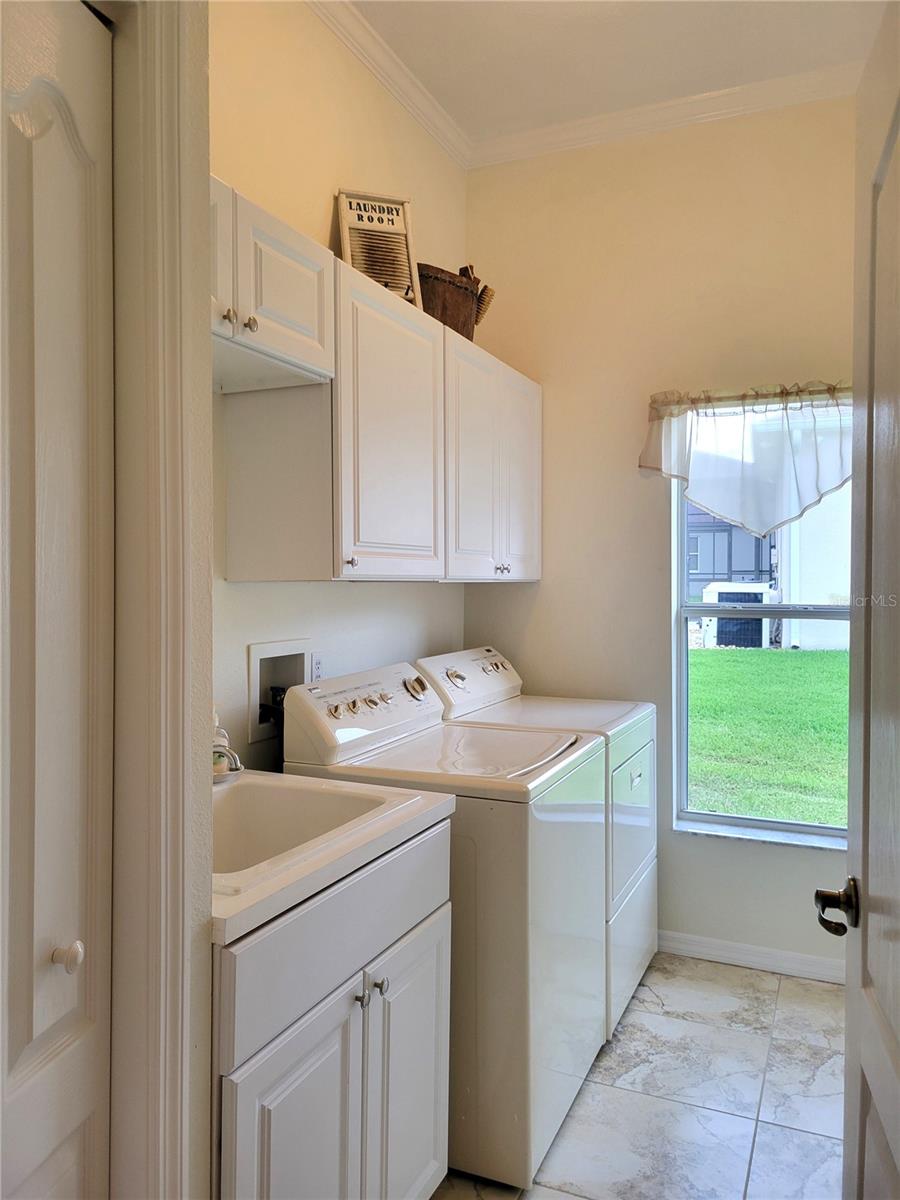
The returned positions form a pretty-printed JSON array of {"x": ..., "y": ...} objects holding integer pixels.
[{"x": 376, "y": 238}]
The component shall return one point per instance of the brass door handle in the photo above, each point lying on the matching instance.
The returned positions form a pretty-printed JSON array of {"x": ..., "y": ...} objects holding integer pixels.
[{"x": 847, "y": 900}]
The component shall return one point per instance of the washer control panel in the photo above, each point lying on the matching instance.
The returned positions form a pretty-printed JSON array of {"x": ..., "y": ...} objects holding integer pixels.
[
  {"x": 471, "y": 679},
  {"x": 334, "y": 719}
]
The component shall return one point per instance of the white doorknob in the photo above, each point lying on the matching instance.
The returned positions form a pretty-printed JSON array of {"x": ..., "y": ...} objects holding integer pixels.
[{"x": 71, "y": 957}]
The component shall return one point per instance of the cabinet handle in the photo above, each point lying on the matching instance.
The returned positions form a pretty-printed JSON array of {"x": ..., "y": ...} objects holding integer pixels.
[
  {"x": 71, "y": 957},
  {"x": 498, "y": 568},
  {"x": 506, "y": 568},
  {"x": 352, "y": 562},
  {"x": 252, "y": 324},
  {"x": 364, "y": 1000},
  {"x": 230, "y": 316},
  {"x": 382, "y": 985},
  {"x": 636, "y": 777}
]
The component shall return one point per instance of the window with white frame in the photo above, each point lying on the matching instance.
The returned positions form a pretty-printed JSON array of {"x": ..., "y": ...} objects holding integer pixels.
[{"x": 762, "y": 636}]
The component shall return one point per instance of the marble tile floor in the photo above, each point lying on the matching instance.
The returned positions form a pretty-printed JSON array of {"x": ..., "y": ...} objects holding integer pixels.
[{"x": 720, "y": 1083}]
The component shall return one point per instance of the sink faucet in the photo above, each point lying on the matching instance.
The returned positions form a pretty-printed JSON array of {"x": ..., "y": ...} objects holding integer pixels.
[{"x": 225, "y": 759}]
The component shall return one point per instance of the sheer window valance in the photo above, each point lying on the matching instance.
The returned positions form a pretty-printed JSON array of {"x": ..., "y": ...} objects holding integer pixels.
[{"x": 758, "y": 460}]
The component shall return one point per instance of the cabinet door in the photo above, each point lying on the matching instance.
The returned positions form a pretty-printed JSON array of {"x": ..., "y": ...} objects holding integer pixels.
[
  {"x": 407, "y": 1064},
  {"x": 291, "y": 1115},
  {"x": 474, "y": 400},
  {"x": 389, "y": 436},
  {"x": 285, "y": 290},
  {"x": 520, "y": 455},
  {"x": 221, "y": 257}
]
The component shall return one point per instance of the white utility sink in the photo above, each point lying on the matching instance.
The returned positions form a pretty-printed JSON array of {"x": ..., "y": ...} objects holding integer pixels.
[{"x": 279, "y": 838}]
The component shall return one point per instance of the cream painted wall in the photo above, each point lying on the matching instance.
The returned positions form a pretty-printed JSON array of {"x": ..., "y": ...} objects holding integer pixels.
[
  {"x": 717, "y": 255},
  {"x": 293, "y": 117}
]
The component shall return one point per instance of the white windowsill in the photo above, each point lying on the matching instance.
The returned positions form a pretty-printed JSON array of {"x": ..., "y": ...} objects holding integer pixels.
[{"x": 757, "y": 833}]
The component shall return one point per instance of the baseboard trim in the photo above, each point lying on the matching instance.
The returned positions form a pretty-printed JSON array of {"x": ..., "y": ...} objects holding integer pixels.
[{"x": 740, "y": 954}]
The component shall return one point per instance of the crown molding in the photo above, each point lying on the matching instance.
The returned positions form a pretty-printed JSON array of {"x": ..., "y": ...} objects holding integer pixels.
[
  {"x": 825, "y": 84},
  {"x": 351, "y": 27},
  {"x": 345, "y": 20}
]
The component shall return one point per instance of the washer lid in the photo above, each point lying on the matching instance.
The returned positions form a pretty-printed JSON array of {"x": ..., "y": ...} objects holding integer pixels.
[
  {"x": 610, "y": 717},
  {"x": 503, "y": 764}
]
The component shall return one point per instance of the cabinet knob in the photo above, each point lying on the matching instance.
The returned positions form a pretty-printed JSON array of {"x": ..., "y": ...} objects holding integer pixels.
[
  {"x": 383, "y": 985},
  {"x": 230, "y": 316},
  {"x": 364, "y": 1000},
  {"x": 498, "y": 568},
  {"x": 506, "y": 568},
  {"x": 71, "y": 957},
  {"x": 352, "y": 562},
  {"x": 252, "y": 324}
]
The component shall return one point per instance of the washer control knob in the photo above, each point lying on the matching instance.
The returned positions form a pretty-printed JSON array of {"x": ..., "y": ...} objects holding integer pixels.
[
  {"x": 487, "y": 668},
  {"x": 456, "y": 677},
  {"x": 495, "y": 665},
  {"x": 353, "y": 706},
  {"x": 416, "y": 687},
  {"x": 335, "y": 711},
  {"x": 372, "y": 701},
  {"x": 385, "y": 697}
]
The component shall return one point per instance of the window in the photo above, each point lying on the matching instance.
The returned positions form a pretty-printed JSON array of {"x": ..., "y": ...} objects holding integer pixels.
[{"x": 763, "y": 668}]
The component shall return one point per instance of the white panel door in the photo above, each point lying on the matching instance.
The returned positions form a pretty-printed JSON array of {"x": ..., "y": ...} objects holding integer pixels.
[
  {"x": 223, "y": 314},
  {"x": 292, "y": 1114},
  {"x": 407, "y": 1064},
  {"x": 57, "y": 599},
  {"x": 389, "y": 438},
  {"x": 872, "y": 1116},
  {"x": 520, "y": 548},
  {"x": 284, "y": 289},
  {"x": 474, "y": 401}
]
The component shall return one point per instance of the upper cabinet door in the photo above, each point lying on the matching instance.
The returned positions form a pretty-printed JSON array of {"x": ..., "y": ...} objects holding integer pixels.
[
  {"x": 221, "y": 258},
  {"x": 291, "y": 1115},
  {"x": 520, "y": 455},
  {"x": 474, "y": 400},
  {"x": 284, "y": 289},
  {"x": 389, "y": 435},
  {"x": 407, "y": 1064}
]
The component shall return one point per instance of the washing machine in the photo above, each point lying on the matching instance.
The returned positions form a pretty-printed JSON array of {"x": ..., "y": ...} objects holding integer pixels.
[
  {"x": 527, "y": 1001},
  {"x": 482, "y": 687}
]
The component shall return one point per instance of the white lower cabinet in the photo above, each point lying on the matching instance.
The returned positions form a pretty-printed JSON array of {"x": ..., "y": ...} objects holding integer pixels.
[
  {"x": 351, "y": 1100},
  {"x": 291, "y": 1115},
  {"x": 407, "y": 1064}
]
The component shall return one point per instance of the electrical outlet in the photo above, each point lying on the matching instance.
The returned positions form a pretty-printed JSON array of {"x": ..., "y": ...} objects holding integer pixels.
[{"x": 316, "y": 670}]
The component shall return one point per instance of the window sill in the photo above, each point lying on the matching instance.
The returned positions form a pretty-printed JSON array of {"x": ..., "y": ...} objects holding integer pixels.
[{"x": 757, "y": 833}]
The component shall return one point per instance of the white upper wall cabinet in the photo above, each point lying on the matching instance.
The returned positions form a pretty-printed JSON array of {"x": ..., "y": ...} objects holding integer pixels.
[
  {"x": 473, "y": 398},
  {"x": 389, "y": 435},
  {"x": 284, "y": 288},
  {"x": 272, "y": 293},
  {"x": 493, "y": 467},
  {"x": 520, "y": 476},
  {"x": 221, "y": 258}
]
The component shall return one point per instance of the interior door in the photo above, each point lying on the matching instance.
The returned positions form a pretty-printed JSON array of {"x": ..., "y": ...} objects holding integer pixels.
[
  {"x": 291, "y": 1115},
  {"x": 285, "y": 290},
  {"x": 57, "y": 599},
  {"x": 474, "y": 419},
  {"x": 872, "y": 1125},
  {"x": 521, "y": 477},
  {"x": 407, "y": 1064},
  {"x": 389, "y": 438}
]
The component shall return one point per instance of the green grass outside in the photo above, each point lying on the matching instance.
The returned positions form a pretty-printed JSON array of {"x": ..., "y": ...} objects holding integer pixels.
[{"x": 767, "y": 733}]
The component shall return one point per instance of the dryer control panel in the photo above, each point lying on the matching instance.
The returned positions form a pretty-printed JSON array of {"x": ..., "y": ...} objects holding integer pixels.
[
  {"x": 334, "y": 719},
  {"x": 468, "y": 680}
]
